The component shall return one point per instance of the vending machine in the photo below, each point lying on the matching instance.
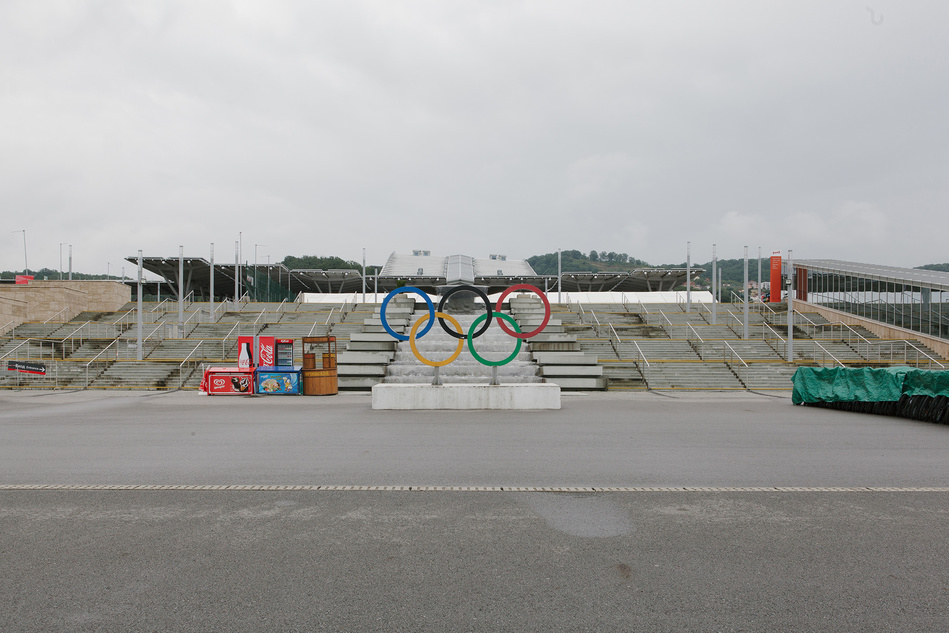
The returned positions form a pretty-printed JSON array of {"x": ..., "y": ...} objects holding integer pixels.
[
  {"x": 276, "y": 374},
  {"x": 284, "y": 352}
]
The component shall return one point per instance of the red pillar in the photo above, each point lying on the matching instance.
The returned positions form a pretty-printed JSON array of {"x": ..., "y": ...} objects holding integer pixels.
[{"x": 775, "y": 277}]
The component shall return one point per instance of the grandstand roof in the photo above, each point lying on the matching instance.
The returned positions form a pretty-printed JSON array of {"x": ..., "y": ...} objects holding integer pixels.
[
  {"x": 907, "y": 276},
  {"x": 422, "y": 270}
]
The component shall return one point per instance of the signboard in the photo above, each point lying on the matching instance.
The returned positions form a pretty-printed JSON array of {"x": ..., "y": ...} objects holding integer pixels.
[
  {"x": 245, "y": 352},
  {"x": 23, "y": 279},
  {"x": 26, "y": 367},
  {"x": 265, "y": 351},
  {"x": 236, "y": 382},
  {"x": 776, "y": 277}
]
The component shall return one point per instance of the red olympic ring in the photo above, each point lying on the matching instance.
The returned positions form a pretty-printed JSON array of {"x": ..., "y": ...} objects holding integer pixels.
[{"x": 535, "y": 331}]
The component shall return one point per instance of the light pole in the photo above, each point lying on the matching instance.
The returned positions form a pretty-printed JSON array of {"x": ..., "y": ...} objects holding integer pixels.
[
  {"x": 559, "y": 276},
  {"x": 255, "y": 270}
]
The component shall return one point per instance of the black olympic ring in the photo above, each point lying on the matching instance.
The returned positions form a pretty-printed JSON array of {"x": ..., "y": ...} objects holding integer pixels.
[{"x": 487, "y": 307}]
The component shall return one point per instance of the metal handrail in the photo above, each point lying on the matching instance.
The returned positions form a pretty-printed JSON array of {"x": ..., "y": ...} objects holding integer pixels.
[
  {"x": 598, "y": 325},
  {"x": 665, "y": 317},
  {"x": 801, "y": 314},
  {"x": 727, "y": 345},
  {"x": 124, "y": 316},
  {"x": 280, "y": 307},
  {"x": 96, "y": 357},
  {"x": 618, "y": 340},
  {"x": 701, "y": 350},
  {"x": 180, "y": 365},
  {"x": 3, "y": 328},
  {"x": 836, "y": 360},
  {"x": 227, "y": 336},
  {"x": 328, "y": 317},
  {"x": 26, "y": 342},
  {"x": 694, "y": 331},
  {"x": 160, "y": 304},
  {"x": 640, "y": 350},
  {"x": 52, "y": 317},
  {"x": 919, "y": 351}
]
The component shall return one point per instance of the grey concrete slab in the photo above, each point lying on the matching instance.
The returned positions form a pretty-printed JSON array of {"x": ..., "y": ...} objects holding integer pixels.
[
  {"x": 623, "y": 439},
  {"x": 209, "y": 560},
  {"x": 317, "y": 561}
]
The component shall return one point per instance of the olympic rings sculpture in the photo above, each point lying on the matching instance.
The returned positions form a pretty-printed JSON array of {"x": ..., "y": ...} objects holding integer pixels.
[{"x": 458, "y": 331}]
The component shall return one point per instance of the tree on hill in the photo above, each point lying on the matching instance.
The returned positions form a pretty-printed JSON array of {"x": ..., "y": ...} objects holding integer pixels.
[{"x": 943, "y": 268}]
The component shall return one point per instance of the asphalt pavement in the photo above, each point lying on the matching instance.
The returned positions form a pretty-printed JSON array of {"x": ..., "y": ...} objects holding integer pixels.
[{"x": 826, "y": 549}]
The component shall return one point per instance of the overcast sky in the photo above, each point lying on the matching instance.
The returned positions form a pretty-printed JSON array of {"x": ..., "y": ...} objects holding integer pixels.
[{"x": 474, "y": 127}]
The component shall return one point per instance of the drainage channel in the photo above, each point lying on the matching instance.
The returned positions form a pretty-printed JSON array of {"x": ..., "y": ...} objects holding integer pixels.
[{"x": 587, "y": 489}]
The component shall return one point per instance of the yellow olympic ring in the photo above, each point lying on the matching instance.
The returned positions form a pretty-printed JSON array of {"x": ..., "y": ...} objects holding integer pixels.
[{"x": 441, "y": 363}]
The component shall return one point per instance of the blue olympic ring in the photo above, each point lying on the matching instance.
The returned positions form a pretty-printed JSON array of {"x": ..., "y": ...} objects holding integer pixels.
[{"x": 428, "y": 302}]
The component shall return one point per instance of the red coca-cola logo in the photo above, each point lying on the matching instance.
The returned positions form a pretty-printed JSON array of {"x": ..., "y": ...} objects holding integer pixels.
[{"x": 266, "y": 355}]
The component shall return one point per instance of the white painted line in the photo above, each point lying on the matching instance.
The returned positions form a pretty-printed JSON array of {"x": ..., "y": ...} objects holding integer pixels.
[{"x": 421, "y": 488}]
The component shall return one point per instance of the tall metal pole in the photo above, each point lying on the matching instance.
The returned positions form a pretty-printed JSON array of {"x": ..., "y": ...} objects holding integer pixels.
[
  {"x": 759, "y": 274},
  {"x": 714, "y": 278},
  {"x": 70, "y": 262},
  {"x": 364, "y": 275},
  {"x": 688, "y": 276},
  {"x": 744, "y": 329},
  {"x": 211, "y": 314},
  {"x": 181, "y": 291},
  {"x": 138, "y": 338},
  {"x": 719, "y": 285},
  {"x": 559, "y": 277},
  {"x": 237, "y": 272},
  {"x": 255, "y": 272},
  {"x": 790, "y": 306},
  {"x": 240, "y": 258}
]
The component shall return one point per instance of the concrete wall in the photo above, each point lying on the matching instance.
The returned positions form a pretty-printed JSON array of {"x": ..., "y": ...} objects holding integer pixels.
[
  {"x": 883, "y": 330},
  {"x": 59, "y": 300},
  {"x": 12, "y": 313}
]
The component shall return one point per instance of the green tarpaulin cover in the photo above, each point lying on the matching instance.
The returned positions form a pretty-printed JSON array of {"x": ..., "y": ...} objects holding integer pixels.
[{"x": 864, "y": 384}]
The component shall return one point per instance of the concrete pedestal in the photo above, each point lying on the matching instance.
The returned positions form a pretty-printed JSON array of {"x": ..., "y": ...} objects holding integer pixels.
[{"x": 424, "y": 396}]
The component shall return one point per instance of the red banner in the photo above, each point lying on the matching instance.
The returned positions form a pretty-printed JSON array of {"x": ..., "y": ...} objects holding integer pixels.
[{"x": 24, "y": 279}]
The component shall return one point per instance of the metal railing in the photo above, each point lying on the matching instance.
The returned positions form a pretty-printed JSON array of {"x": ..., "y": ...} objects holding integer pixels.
[
  {"x": 700, "y": 348},
  {"x": 782, "y": 348},
  {"x": 235, "y": 331},
  {"x": 643, "y": 371},
  {"x": 729, "y": 354},
  {"x": 160, "y": 304},
  {"x": 187, "y": 359},
  {"x": 96, "y": 358},
  {"x": 615, "y": 345},
  {"x": 825, "y": 353},
  {"x": 54, "y": 316}
]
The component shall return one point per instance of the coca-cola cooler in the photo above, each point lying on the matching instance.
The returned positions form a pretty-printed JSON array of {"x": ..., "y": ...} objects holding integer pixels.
[
  {"x": 272, "y": 352},
  {"x": 275, "y": 374}
]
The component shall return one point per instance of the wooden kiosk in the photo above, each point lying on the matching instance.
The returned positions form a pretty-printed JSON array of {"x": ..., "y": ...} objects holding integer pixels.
[{"x": 319, "y": 380}]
